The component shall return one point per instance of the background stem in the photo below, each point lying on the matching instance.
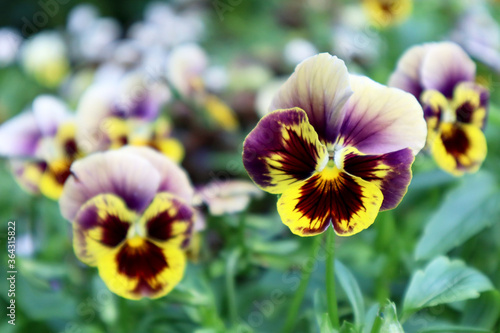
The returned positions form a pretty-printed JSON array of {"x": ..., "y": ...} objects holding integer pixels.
[
  {"x": 330, "y": 278},
  {"x": 299, "y": 295}
]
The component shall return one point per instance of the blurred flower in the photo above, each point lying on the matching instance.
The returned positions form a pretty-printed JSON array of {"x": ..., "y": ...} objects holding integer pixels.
[
  {"x": 442, "y": 76},
  {"x": 132, "y": 218},
  {"x": 479, "y": 34},
  {"x": 297, "y": 50},
  {"x": 10, "y": 40},
  {"x": 384, "y": 13},
  {"x": 226, "y": 197},
  {"x": 45, "y": 57},
  {"x": 126, "y": 110},
  {"x": 352, "y": 37},
  {"x": 167, "y": 27},
  {"x": 338, "y": 148},
  {"x": 186, "y": 68},
  {"x": 91, "y": 36},
  {"x": 41, "y": 145}
]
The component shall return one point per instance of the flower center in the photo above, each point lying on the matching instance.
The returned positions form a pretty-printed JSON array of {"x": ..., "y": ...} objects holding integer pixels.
[{"x": 448, "y": 115}]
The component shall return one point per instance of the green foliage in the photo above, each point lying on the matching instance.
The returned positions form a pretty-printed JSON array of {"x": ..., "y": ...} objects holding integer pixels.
[
  {"x": 467, "y": 209},
  {"x": 443, "y": 281}
]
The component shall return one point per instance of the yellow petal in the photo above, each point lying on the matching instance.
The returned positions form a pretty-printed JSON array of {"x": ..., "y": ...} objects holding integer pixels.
[
  {"x": 350, "y": 203},
  {"x": 459, "y": 148},
  {"x": 140, "y": 268}
]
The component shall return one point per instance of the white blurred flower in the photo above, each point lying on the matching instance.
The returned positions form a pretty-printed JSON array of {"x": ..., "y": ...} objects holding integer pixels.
[
  {"x": 45, "y": 57},
  {"x": 10, "y": 40},
  {"x": 92, "y": 36},
  {"x": 25, "y": 246},
  {"x": 186, "y": 66},
  {"x": 227, "y": 197},
  {"x": 216, "y": 78},
  {"x": 81, "y": 17},
  {"x": 297, "y": 50},
  {"x": 164, "y": 26},
  {"x": 479, "y": 34},
  {"x": 353, "y": 37}
]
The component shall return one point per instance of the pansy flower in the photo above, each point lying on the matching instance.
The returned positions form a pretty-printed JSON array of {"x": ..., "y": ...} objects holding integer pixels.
[
  {"x": 41, "y": 146},
  {"x": 226, "y": 197},
  {"x": 113, "y": 114},
  {"x": 442, "y": 76},
  {"x": 384, "y": 13},
  {"x": 186, "y": 69},
  {"x": 131, "y": 215},
  {"x": 338, "y": 148}
]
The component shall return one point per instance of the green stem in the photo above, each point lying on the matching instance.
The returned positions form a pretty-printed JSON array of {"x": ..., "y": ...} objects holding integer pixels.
[
  {"x": 232, "y": 261},
  {"x": 330, "y": 278},
  {"x": 299, "y": 295}
]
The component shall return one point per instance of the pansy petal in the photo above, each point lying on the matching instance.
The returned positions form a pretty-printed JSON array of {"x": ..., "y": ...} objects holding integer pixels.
[
  {"x": 49, "y": 112},
  {"x": 320, "y": 87},
  {"x": 28, "y": 174},
  {"x": 168, "y": 221},
  {"x": 100, "y": 226},
  {"x": 140, "y": 268},
  {"x": 407, "y": 74},
  {"x": 173, "y": 178},
  {"x": 350, "y": 203},
  {"x": 391, "y": 172},
  {"x": 380, "y": 119},
  {"x": 20, "y": 136},
  {"x": 470, "y": 102},
  {"x": 94, "y": 106},
  {"x": 54, "y": 177},
  {"x": 282, "y": 150},
  {"x": 444, "y": 66},
  {"x": 127, "y": 175},
  {"x": 459, "y": 148}
]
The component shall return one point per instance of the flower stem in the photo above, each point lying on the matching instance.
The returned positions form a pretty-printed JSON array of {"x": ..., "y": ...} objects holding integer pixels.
[
  {"x": 299, "y": 295},
  {"x": 330, "y": 278},
  {"x": 231, "y": 271}
]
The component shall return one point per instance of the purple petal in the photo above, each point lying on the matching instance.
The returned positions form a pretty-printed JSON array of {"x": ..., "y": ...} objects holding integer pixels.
[
  {"x": 380, "y": 120},
  {"x": 320, "y": 87},
  {"x": 127, "y": 175},
  {"x": 20, "y": 136},
  {"x": 49, "y": 113},
  {"x": 390, "y": 172},
  {"x": 444, "y": 66},
  {"x": 173, "y": 179}
]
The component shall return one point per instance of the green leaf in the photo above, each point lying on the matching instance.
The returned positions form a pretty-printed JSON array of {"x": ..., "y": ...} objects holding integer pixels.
[
  {"x": 468, "y": 209},
  {"x": 352, "y": 290},
  {"x": 348, "y": 327},
  {"x": 484, "y": 311},
  {"x": 390, "y": 323},
  {"x": 371, "y": 316},
  {"x": 453, "y": 329},
  {"x": 325, "y": 324},
  {"x": 443, "y": 281}
]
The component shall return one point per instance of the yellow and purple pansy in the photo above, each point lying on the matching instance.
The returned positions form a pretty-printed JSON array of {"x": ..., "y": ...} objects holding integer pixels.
[
  {"x": 337, "y": 147},
  {"x": 113, "y": 114},
  {"x": 441, "y": 76},
  {"x": 132, "y": 219},
  {"x": 41, "y": 146}
]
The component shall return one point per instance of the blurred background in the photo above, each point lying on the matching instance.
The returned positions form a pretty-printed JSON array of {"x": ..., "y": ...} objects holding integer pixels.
[{"x": 218, "y": 64}]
